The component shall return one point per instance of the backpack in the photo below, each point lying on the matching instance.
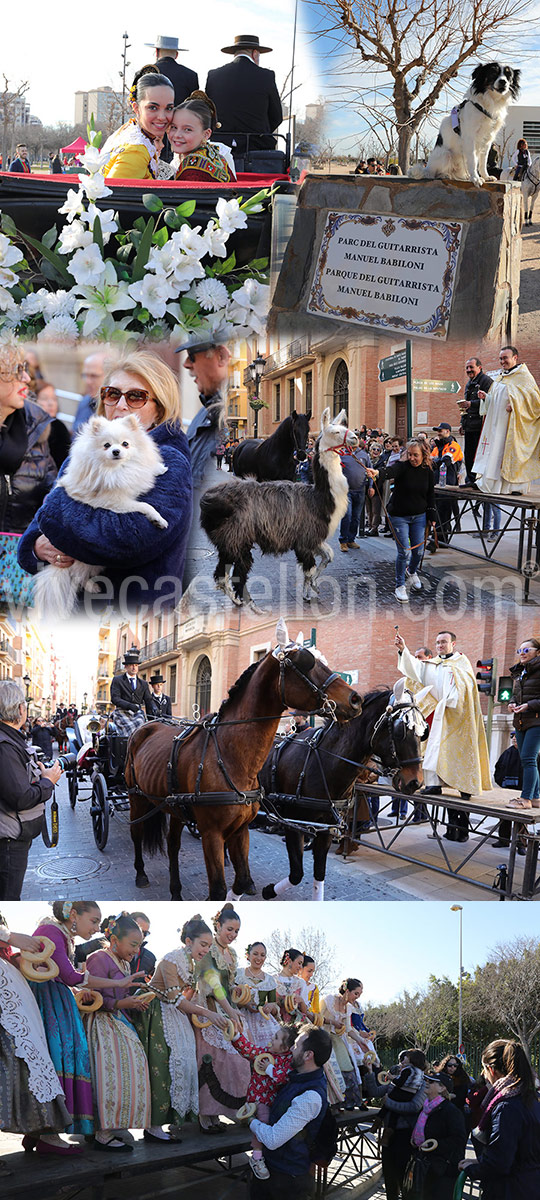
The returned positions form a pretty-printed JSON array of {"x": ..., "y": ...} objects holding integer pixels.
[{"x": 323, "y": 1147}]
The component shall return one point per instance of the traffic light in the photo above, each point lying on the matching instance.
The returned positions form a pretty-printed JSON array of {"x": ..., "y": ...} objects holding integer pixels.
[
  {"x": 486, "y": 675},
  {"x": 505, "y": 689}
]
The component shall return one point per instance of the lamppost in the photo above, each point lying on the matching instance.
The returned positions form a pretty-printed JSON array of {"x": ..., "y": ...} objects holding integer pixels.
[
  {"x": 458, "y": 908},
  {"x": 255, "y": 373},
  {"x": 27, "y": 682},
  {"x": 85, "y": 698}
]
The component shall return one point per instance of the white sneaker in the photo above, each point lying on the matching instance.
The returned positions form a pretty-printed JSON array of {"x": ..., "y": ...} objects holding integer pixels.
[
  {"x": 401, "y": 594},
  {"x": 415, "y": 582},
  {"x": 259, "y": 1168}
]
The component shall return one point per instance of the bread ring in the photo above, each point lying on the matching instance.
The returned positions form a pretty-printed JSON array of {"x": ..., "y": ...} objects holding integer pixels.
[
  {"x": 383, "y": 1076},
  {"x": 147, "y": 997},
  {"x": 429, "y": 1145},
  {"x": 262, "y": 1061},
  {"x": 229, "y": 1031},
  {"x": 369, "y": 1058},
  {"x": 263, "y": 1013},
  {"x": 241, "y": 995},
  {"x": 318, "y": 1020},
  {"x": 341, "y": 1029},
  {"x": 198, "y": 1023},
  {"x": 47, "y": 948},
  {"x": 246, "y": 1112},
  {"x": 39, "y": 972},
  {"x": 94, "y": 1005},
  {"x": 289, "y": 1004}
]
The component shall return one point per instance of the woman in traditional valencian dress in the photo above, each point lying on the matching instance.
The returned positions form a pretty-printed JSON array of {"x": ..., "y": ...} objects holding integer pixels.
[
  {"x": 191, "y": 129},
  {"x": 167, "y": 1034},
  {"x": 31, "y": 1098},
  {"x": 290, "y": 985},
  {"x": 118, "y": 1066},
  {"x": 336, "y": 1013},
  {"x": 64, "y": 1029},
  {"x": 135, "y": 147},
  {"x": 223, "y": 1074},
  {"x": 259, "y": 1027}
]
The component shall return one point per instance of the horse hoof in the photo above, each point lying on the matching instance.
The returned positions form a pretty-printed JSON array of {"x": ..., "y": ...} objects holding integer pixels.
[
  {"x": 250, "y": 889},
  {"x": 142, "y": 881},
  {"x": 176, "y": 895},
  {"x": 268, "y": 892}
]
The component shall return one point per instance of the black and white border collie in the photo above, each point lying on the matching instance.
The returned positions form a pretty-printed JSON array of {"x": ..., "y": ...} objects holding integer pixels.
[{"x": 466, "y": 134}]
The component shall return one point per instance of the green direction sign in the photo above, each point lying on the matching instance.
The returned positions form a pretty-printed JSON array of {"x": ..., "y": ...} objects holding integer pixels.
[
  {"x": 350, "y": 677},
  {"x": 436, "y": 385},
  {"x": 393, "y": 367}
]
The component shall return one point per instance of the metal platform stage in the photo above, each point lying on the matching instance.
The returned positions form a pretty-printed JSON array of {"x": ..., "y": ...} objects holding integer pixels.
[
  {"x": 510, "y": 882},
  {"x": 520, "y": 515},
  {"x": 145, "y": 1171}
]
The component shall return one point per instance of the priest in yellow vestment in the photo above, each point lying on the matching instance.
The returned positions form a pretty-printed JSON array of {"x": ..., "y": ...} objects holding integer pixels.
[
  {"x": 508, "y": 454},
  {"x": 456, "y": 751}
]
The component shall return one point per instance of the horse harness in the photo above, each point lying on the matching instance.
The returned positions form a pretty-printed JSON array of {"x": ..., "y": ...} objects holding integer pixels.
[{"x": 211, "y": 724}]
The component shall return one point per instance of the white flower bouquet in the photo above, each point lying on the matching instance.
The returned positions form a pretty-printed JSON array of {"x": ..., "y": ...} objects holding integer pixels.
[{"x": 161, "y": 279}]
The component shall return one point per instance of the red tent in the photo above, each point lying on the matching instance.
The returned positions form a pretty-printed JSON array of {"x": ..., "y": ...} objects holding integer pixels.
[{"x": 77, "y": 147}]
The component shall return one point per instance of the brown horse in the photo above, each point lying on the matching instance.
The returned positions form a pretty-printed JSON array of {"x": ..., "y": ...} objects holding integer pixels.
[{"x": 220, "y": 757}]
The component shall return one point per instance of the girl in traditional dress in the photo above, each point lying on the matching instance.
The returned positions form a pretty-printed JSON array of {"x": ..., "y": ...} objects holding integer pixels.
[
  {"x": 258, "y": 1028},
  {"x": 337, "y": 1021},
  {"x": 31, "y": 1099},
  {"x": 289, "y": 984},
  {"x": 191, "y": 128},
  {"x": 64, "y": 1029},
  {"x": 135, "y": 147},
  {"x": 310, "y": 993},
  {"x": 118, "y": 1065},
  {"x": 167, "y": 1034},
  {"x": 223, "y": 1075}
]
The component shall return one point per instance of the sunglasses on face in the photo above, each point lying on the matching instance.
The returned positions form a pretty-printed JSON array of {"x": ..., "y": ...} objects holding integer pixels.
[
  {"x": 525, "y": 650},
  {"x": 134, "y": 397},
  {"x": 15, "y": 373},
  {"x": 191, "y": 355}
]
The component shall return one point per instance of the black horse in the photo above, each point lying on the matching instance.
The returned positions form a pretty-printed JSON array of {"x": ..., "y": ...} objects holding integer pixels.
[
  {"x": 274, "y": 457},
  {"x": 308, "y": 775}
]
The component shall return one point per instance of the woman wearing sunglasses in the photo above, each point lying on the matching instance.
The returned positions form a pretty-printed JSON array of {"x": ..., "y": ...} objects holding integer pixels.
[
  {"x": 141, "y": 562},
  {"x": 525, "y": 705}
]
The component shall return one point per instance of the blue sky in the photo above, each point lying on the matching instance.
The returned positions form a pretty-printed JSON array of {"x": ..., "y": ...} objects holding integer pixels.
[
  {"x": 390, "y": 946},
  {"x": 345, "y": 126}
]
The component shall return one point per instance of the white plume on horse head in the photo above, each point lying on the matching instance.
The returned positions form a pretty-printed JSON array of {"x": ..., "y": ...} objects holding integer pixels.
[
  {"x": 300, "y": 640},
  {"x": 282, "y": 633}
]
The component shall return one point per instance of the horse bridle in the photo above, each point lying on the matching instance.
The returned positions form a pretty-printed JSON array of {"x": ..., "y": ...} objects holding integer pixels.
[
  {"x": 535, "y": 181},
  {"x": 391, "y": 715},
  {"x": 298, "y": 448},
  {"x": 328, "y": 706}
]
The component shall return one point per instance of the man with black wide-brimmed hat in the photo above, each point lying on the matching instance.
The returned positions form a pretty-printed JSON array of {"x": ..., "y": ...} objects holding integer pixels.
[
  {"x": 184, "y": 80},
  {"x": 246, "y": 96},
  {"x": 161, "y": 702}
]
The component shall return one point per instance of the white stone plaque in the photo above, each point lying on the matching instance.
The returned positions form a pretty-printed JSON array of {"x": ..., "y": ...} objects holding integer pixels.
[{"x": 387, "y": 272}]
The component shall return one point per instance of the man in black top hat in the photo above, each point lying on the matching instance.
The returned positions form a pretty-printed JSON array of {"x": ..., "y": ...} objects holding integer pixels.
[
  {"x": 184, "y": 80},
  {"x": 162, "y": 703},
  {"x": 127, "y": 691},
  {"x": 246, "y": 96}
]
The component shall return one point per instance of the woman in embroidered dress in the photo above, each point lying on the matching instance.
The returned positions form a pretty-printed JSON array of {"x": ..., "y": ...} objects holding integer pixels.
[
  {"x": 191, "y": 128},
  {"x": 31, "y": 1099},
  {"x": 167, "y": 1034},
  {"x": 289, "y": 983},
  {"x": 258, "y": 1029},
  {"x": 135, "y": 147},
  {"x": 223, "y": 1075},
  {"x": 62, "y": 1020},
  {"x": 336, "y": 1013},
  {"x": 118, "y": 1065}
]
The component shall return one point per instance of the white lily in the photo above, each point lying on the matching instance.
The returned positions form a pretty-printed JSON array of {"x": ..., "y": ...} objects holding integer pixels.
[
  {"x": 9, "y": 254},
  {"x": 73, "y": 205},
  {"x": 94, "y": 186},
  {"x": 152, "y": 293},
  {"x": 249, "y": 305},
  {"x": 74, "y": 237},
  {"x": 94, "y": 160},
  {"x": 87, "y": 266},
  {"x": 106, "y": 220},
  {"x": 230, "y": 215},
  {"x": 7, "y": 277},
  {"x": 109, "y": 296},
  {"x": 190, "y": 241},
  {"x": 7, "y": 304},
  {"x": 216, "y": 240}
]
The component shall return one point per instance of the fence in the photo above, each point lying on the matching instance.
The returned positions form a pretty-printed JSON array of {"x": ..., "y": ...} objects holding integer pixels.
[{"x": 472, "y": 1051}]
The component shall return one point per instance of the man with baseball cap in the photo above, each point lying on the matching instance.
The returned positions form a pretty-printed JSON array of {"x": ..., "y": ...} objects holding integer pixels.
[{"x": 246, "y": 96}]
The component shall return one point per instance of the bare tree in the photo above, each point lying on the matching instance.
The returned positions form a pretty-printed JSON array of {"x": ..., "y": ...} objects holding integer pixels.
[
  {"x": 507, "y": 988},
  {"x": 418, "y": 49},
  {"x": 309, "y": 940},
  {"x": 11, "y": 103}
]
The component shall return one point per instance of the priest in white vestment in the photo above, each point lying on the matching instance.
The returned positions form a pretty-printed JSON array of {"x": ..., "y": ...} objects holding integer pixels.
[
  {"x": 508, "y": 455},
  {"x": 456, "y": 752}
]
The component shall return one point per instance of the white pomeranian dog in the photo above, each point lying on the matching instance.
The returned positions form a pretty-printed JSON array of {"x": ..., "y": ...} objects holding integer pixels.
[{"x": 110, "y": 464}]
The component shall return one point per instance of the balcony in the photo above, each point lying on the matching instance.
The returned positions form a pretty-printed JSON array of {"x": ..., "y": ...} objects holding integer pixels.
[
  {"x": 7, "y": 651},
  {"x": 296, "y": 350},
  {"x": 162, "y": 645}
]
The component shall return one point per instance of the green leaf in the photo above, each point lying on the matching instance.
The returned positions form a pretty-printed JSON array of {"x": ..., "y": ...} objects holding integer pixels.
[
  {"x": 8, "y": 225},
  {"x": 49, "y": 271},
  {"x": 160, "y": 237},
  {"x": 98, "y": 235},
  {"x": 187, "y": 208},
  {"x": 140, "y": 224},
  {"x": 136, "y": 238},
  {"x": 50, "y": 256},
  {"x": 50, "y": 237},
  {"x": 142, "y": 315},
  {"x": 172, "y": 220},
  {"x": 189, "y": 306},
  {"x": 143, "y": 251},
  {"x": 152, "y": 202},
  {"x": 258, "y": 264},
  {"x": 228, "y": 264},
  {"x": 124, "y": 253}
]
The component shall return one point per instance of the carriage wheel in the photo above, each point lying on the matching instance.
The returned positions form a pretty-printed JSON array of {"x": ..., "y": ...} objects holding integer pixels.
[
  {"x": 73, "y": 786},
  {"x": 99, "y": 811}
]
